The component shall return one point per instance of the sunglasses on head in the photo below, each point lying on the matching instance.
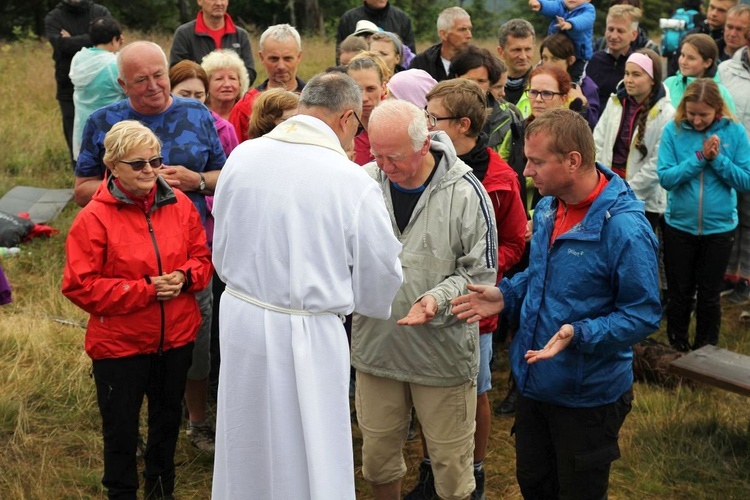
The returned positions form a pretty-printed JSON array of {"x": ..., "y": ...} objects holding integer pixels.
[{"x": 138, "y": 165}]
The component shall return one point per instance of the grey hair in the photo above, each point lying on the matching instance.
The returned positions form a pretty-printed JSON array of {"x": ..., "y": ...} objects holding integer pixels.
[
  {"x": 517, "y": 28},
  {"x": 334, "y": 92},
  {"x": 739, "y": 10},
  {"x": 449, "y": 16},
  {"x": 281, "y": 33},
  {"x": 226, "y": 59},
  {"x": 395, "y": 111},
  {"x": 130, "y": 47}
]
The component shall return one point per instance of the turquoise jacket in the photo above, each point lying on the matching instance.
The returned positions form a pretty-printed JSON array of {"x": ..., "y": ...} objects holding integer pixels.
[
  {"x": 677, "y": 84},
  {"x": 601, "y": 277},
  {"x": 701, "y": 194}
]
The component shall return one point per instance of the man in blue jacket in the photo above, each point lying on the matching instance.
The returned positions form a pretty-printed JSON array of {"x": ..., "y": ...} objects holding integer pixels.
[{"x": 590, "y": 292}]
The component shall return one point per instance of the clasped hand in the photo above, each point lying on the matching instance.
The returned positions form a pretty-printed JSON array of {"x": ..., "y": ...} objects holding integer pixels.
[
  {"x": 711, "y": 147},
  {"x": 168, "y": 286}
]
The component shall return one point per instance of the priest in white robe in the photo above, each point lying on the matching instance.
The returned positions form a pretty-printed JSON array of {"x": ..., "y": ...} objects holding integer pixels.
[{"x": 302, "y": 237}]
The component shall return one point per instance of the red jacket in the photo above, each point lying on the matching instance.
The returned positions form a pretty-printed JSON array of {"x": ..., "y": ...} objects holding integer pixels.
[
  {"x": 112, "y": 249},
  {"x": 240, "y": 115},
  {"x": 501, "y": 183}
]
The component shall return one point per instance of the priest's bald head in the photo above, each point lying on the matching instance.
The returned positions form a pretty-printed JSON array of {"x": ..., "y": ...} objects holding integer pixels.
[{"x": 336, "y": 99}]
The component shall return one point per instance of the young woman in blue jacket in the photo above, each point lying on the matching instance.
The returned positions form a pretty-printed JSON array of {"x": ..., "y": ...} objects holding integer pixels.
[{"x": 704, "y": 159}]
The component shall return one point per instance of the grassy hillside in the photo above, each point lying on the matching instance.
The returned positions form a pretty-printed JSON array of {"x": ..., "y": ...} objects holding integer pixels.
[{"x": 687, "y": 442}]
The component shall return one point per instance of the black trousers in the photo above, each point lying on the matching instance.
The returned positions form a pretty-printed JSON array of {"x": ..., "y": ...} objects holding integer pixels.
[
  {"x": 566, "y": 453},
  {"x": 695, "y": 263},
  {"x": 68, "y": 111},
  {"x": 121, "y": 384}
]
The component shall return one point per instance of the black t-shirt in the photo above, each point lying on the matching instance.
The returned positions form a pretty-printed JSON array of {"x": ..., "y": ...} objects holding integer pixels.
[{"x": 404, "y": 200}]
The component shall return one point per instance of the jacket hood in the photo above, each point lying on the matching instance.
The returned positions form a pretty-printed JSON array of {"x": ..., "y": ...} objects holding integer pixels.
[
  {"x": 108, "y": 192},
  {"x": 88, "y": 64},
  {"x": 451, "y": 168}
]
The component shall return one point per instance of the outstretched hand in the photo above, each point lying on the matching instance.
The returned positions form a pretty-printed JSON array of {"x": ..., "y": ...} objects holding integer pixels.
[
  {"x": 420, "y": 313},
  {"x": 557, "y": 343},
  {"x": 482, "y": 302},
  {"x": 535, "y": 5},
  {"x": 563, "y": 25}
]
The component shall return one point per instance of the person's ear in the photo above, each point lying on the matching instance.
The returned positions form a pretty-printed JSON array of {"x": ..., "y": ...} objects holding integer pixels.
[
  {"x": 575, "y": 160},
  {"x": 464, "y": 124}
]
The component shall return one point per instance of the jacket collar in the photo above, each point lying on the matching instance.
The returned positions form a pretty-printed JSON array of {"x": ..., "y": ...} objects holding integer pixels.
[
  {"x": 110, "y": 193},
  {"x": 304, "y": 129},
  {"x": 200, "y": 24},
  {"x": 616, "y": 197}
]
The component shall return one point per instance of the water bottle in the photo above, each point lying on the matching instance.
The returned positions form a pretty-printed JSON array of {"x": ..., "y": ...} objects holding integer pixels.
[{"x": 6, "y": 252}]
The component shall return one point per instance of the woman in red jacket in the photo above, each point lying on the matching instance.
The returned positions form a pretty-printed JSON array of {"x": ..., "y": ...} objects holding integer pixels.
[{"x": 135, "y": 256}]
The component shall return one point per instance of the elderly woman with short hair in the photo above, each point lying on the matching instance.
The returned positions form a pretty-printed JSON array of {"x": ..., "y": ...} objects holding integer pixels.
[
  {"x": 136, "y": 255},
  {"x": 228, "y": 80}
]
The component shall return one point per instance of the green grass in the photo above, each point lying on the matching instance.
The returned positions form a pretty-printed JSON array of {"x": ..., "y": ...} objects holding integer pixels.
[{"x": 687, "y": 442}]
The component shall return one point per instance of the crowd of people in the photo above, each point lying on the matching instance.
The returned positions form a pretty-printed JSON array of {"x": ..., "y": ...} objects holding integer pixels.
[{"x": 422, "y": 206}]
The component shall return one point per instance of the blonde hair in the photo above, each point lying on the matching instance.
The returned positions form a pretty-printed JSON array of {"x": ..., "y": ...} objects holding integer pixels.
[
  {"x": 226, "y": 59},
  {"x": 126, "y": 136},
  {"x": 703, "y": 90},
  {"x": 268, "y": 107},
  {"x": 370, "y": 60}
]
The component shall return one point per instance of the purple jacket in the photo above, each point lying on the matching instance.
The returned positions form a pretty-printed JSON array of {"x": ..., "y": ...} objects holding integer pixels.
[
  {"x": 4, "y": 288},
  {"x": 591, "y": 91}
]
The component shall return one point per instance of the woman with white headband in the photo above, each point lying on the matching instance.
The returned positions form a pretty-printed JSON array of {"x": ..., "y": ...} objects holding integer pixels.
[
  {"x": 628, "y": 133},
  {"x": 704, "y": 160}
]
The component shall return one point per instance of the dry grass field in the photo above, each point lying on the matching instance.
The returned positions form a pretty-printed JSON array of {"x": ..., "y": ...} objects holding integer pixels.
[{"x": 682, "y": 443}]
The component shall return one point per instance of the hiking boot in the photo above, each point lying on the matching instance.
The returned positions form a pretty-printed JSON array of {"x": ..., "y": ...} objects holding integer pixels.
[
  {"x": 741, "y": 292},
  {"x": 202, "y": 437},
  {"x": 425, "y": 487},
  {"x": 479, "y": 489},
  {"x": 727, "y": 287},
  {"x": 680, "y": 345}
]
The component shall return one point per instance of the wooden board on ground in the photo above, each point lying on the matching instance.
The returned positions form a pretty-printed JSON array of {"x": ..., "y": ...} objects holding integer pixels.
[{"x": 715, "y": 366}]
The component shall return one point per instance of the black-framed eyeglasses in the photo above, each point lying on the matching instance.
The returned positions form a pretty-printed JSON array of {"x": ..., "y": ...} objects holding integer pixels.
[
  {"x": 432, "y": 119},
  {"x": 138, "y": 165},
  {"x": 360, "y": 127},
  {"x": 546, "y": 94}
]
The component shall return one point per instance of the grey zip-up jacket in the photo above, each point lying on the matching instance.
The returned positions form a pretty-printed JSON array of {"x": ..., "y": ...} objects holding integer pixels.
[{"x": 451, "y": 240}]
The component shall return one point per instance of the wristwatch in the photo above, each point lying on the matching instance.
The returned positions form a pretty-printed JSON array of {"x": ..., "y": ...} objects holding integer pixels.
[{"x": 202, "y": 185}]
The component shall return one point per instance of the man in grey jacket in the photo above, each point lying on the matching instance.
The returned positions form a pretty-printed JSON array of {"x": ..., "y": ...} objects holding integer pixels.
[{"x": 443, "y": 217}]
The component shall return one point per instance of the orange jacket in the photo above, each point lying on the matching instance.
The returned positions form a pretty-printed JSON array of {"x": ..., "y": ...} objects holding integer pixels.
[{"x": 113, "y": 248}]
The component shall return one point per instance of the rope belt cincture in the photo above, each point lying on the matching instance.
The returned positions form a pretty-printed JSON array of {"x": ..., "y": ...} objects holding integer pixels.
[{"x": 278, "y": 309}]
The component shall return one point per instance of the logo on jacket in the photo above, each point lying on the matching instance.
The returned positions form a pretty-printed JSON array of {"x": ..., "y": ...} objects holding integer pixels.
[{"x": 578, "y": 253}]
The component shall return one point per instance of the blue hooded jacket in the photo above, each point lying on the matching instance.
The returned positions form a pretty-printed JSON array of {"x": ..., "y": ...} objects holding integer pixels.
[
  {"x": 701, "y": 196},
  {"x": 601, "y": 277}
]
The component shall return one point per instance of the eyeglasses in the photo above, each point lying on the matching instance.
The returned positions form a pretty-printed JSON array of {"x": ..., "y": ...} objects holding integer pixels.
[
  {"x": 138, "y": 165},
  {"x": 432, "y": 119},
  {"x": 360, "y": 127},
  {"x": 545, "y": 94}
]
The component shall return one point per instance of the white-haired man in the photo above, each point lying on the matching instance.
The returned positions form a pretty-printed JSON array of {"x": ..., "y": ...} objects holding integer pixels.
[
  {"x": 454, "y": 29},
  {"x": 444, "y": 219},
  {"x": 280, "y": 53}
]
